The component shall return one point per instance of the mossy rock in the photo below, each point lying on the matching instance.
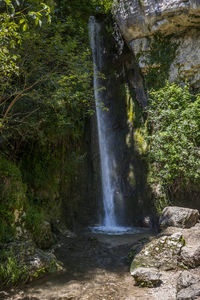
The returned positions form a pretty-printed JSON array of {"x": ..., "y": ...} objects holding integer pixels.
[
  {"x": 21, "y": 262},
  {"x": 162, "y": 253}
]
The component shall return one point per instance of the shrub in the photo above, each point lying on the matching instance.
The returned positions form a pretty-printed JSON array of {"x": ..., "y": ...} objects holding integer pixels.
[
  {"x": 174, "y": 125},
  {"x": 10, "y": 273}
]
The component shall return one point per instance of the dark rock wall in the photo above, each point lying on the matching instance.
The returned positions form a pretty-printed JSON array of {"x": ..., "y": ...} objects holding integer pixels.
[{"x": 123, "y": 86}]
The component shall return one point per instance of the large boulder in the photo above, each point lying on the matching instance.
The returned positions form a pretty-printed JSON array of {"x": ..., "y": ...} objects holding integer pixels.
[
  {"x": 178, "y": 217},
  {"x": 146, "y": 277},
  {"x": 186, "y": 279},
  {"x": 190, "y": 255},
  {"x": 162, "y": 253},
  {"x": 189, "y": 293}
]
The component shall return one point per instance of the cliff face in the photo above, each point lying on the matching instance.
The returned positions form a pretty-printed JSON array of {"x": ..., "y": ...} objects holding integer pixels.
[{"x": 163, "y": 28}]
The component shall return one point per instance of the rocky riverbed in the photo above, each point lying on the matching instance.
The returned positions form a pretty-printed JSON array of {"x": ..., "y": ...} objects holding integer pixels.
[{"x": 97, "y": 266}]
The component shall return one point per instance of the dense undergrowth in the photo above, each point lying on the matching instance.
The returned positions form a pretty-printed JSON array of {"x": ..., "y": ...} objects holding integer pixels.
[
  {"x": 174, "y": 143},
  {"x": 45, "y": 101},
  {"x": 167, "y": 139}
]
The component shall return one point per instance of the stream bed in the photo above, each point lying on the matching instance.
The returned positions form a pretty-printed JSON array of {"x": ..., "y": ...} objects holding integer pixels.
[{"x": 95, "y": 267}]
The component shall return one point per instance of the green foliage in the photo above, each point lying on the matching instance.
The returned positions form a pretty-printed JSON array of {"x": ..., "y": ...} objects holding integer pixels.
[
  {"x": 54, "y": 98},
  {"x": 15, "y": 19},
  {"x": 45, "y": 104},
  {"x": 105, "y": 5},
  {"x": 158, "y": 59},
  {"x": 10, "y": 273},
  {"x": 83, "y": 10},
  {"x": 45, "y": 100},
  {"x": 140, "y": 141},
  {"x": 35, "y": 221},
  {"x": 40, "y": 170},
  {"x": 15, "y": 266},
  {"x": 12, "y": 197},
  {"x": 174, "y": 122},
  {"x": 11, "y": 186}
]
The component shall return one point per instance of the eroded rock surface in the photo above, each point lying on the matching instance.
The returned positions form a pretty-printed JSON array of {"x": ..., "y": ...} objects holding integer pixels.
[
  {"x": 190, "y": 255},
  {"x": 148, "y": 277},
  {"x": 179, "y": 217},
  {"x": 176, "y": 23},
  {"x": 191, "y": 292},
  {"x": 162, "y": 253},
  {"x": 186, "y": 279},
  {"x": 140, "y": 18}
]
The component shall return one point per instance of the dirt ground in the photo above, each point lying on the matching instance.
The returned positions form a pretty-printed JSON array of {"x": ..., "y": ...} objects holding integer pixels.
[{"x": 95, "y": 267}]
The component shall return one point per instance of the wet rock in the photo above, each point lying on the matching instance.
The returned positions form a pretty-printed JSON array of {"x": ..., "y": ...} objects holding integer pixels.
[
  {"x": 61, "y": 228},
  {"x": 162, "y": 253},
  {"x": 178, "y": 217},
  {"x": 146, "y": 277},
  {"x": 186, "y": 279}
]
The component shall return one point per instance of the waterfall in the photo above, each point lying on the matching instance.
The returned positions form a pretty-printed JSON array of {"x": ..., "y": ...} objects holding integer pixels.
[
  {"x": 108, "y": 136},
  {"x": 106, "y": 157}
]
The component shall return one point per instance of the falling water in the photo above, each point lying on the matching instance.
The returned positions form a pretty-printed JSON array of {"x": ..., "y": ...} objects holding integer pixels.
[
  {"x": 103, "y": 131},
  {"x": 110, "y": 179}
]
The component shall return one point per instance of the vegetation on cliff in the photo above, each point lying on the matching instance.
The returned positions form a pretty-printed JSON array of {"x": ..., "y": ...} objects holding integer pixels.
[{"x": 174, "y": 123}]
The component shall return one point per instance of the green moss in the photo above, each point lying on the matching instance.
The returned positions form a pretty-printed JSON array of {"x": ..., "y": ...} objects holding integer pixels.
[
  {"x": 40, "y": 169},
  {"x": 39, "y": 273},
  {"x": 12, "y": 198},
  {"x": 135, "y": 114},
  {"x": 137, "y": 264},
  {"x": 11, "y": 185},
  {"x": 50, "y": 268},
  {"x": 182, "y": 241},
  {"x": 158, "y": 60},
  {"x": 140, "y": 141},
  {"x": 145, "y": 283}
]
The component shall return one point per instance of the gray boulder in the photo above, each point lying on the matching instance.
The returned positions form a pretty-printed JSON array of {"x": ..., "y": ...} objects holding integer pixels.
[
  {"x": 191, "y": 292},
  {"x": 146, "y": 277},
  {"x": 186, "y": 279},
  {"x": 190, "y": 255},
  {"x": 178, "y": 217},
  {"x": 162, "y": 253}
]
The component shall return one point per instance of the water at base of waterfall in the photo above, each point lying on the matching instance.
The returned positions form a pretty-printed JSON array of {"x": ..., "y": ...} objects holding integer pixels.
[{"x": 116, "y": 230}]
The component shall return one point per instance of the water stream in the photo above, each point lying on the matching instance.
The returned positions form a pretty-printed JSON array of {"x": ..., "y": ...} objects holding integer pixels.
[{"x": 111, "y": 190}]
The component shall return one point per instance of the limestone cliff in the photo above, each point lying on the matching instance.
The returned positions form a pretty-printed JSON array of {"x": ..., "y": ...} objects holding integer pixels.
[{"x": 176, "y": 23}]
